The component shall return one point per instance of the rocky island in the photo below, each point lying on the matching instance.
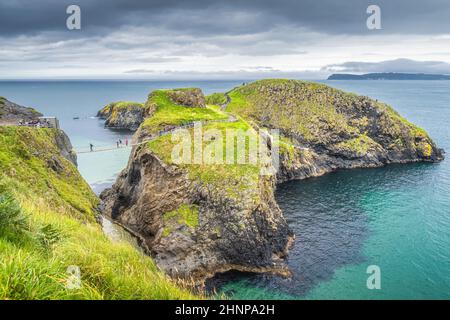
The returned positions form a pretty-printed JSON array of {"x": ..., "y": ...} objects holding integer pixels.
[
  {"x": 336, "y": 130},
  {"x": 129, "y": 115},
  {"x": 124, "y": 115},
  {"x": 198, "y": 220}
]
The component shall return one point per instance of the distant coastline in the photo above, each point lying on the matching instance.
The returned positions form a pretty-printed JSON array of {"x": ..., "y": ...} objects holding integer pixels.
[{"x": 388, "y": 76}]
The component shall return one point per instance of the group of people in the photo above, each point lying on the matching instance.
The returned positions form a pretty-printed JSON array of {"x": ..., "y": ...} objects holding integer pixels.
[
  {"x": 35, "y": 123},
  {"x": 119, "y": 144}
]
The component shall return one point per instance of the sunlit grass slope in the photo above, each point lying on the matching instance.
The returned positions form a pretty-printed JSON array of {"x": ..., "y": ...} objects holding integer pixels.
[{"x": 47, "y": 224}]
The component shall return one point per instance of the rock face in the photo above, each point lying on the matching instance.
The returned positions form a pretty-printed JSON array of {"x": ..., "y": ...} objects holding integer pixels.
[
  {"x": 190, "y": 97},
  {"x": 124, "y": 115},
  {"x": 12, "y": 113},
  {"x": 65, "y": 146},
  {"x": 334, "y": 129},
  {"x": 195, "y": 230}
]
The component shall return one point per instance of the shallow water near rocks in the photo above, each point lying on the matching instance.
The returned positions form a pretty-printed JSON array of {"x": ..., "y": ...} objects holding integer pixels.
[{"x": 397, "y": 217}]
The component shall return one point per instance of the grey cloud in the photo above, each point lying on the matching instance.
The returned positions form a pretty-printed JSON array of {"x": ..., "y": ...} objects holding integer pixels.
[
  {"x": 197, "y": 17},
  {"x": 398, "y": 65},
  {"x": 139, "y": 36}
]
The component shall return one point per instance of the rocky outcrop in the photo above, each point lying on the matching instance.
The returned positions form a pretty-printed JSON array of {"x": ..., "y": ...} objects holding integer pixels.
[
  {"x": 195, "y": 229},
  {"x": 130, "y": 115},
  {"x": 189, "y": 97},
  {"x": 331, "y": 129},
  {"x": 124, "y": 115},
  {"x": 12, "y": 113},
  {"x": 201, "y": 220}
]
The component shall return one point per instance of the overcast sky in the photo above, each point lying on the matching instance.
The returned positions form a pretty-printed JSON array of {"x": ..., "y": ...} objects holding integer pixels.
[{"x": 203, "y": 39}]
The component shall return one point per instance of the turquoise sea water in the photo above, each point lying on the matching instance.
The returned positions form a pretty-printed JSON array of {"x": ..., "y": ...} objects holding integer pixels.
[{"x": 397, "y": 217}]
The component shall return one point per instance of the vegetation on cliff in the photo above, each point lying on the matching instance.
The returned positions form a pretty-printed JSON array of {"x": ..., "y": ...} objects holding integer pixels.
[
  {"x": 209, "y": 213},
  {"x": 48, "y": 223},
  {"x": 169, "y": 114},
  {"x": 217, "y": 99},
  {"x": 233, "y": 179},
  {"x": 124, "y": 114},
  {"x": 318, "y": 116},
  {"x": 112, "y": 109}
]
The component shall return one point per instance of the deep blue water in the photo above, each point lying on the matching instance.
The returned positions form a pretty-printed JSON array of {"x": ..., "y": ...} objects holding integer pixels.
[{"x": 397, "y": 217}]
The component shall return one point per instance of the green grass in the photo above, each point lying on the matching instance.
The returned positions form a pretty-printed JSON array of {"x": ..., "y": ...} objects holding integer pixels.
[
  {"x": 361, "y": 144},
  {"x": 316, "y": 114},
  {"x": 287, "y": 149},
  {"x": 170, "y": 114},
  {"x": 185, "y": 215},
  {"x": 47, "y": 223},
  {"x": 230, "y": 178},
  {"x": 292, "y": 107},
  {"x": 216, "y": 99},
  {"x": 233, "y": 179},
  {"x": 26, "y": 155},
  {"x": 121, "y": 105},
  {"x": 113, "y": 110},
  {"x": 13, "y": 222}
]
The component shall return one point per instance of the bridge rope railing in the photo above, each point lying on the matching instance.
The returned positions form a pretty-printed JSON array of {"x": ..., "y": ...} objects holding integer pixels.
[
  {"x": 161, "y": 133},
  {"x": 153, "y": 137}
]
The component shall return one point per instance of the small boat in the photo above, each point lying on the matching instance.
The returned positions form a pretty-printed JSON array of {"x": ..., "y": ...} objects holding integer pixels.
[{"x": 76, "y": 118}]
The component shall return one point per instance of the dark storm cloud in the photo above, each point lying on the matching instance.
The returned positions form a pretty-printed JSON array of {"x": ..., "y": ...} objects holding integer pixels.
[
  {"x": 20, "y": 17},
  {"x": 398, "y": 65}
]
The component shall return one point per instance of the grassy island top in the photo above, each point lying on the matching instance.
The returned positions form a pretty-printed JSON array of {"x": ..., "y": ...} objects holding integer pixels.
[
  {"x": 232, "y": 179},
  {"x": 168, "y": 113},
  {"x": 113, "y": 109},
  {"x": 217, "y": 99},
  {"x": 121, "y": 105},
  {"x": 47, "y": 223},
  {"x": 318, "y": 114}
]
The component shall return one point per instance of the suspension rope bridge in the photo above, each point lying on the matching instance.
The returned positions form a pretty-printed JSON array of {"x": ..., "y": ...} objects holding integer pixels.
[
  {"x": 160, "y": 134},
  {"x": 131, "y": 145}
]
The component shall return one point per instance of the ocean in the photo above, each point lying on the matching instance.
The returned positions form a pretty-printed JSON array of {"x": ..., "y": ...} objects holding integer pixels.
[{"x": 396, "y": 217}]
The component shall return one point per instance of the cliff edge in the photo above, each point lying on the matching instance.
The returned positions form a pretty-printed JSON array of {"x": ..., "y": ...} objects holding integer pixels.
[{"x": 201, "y": 218}]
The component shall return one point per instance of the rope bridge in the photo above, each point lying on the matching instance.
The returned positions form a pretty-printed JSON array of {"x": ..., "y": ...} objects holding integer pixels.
[{"x": 160, "y": 134}]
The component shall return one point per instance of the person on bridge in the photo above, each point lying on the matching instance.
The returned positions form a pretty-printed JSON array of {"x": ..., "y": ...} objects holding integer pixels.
[{"x": 91, "y": 146}]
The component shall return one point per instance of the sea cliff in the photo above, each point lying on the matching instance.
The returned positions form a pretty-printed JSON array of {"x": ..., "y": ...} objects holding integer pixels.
[
  {"x": 51, "y": 245},
  {"x": 201, "y": 219},
  {"x": 197, "y": 219},
  {"x": 325, "y": 129}
]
